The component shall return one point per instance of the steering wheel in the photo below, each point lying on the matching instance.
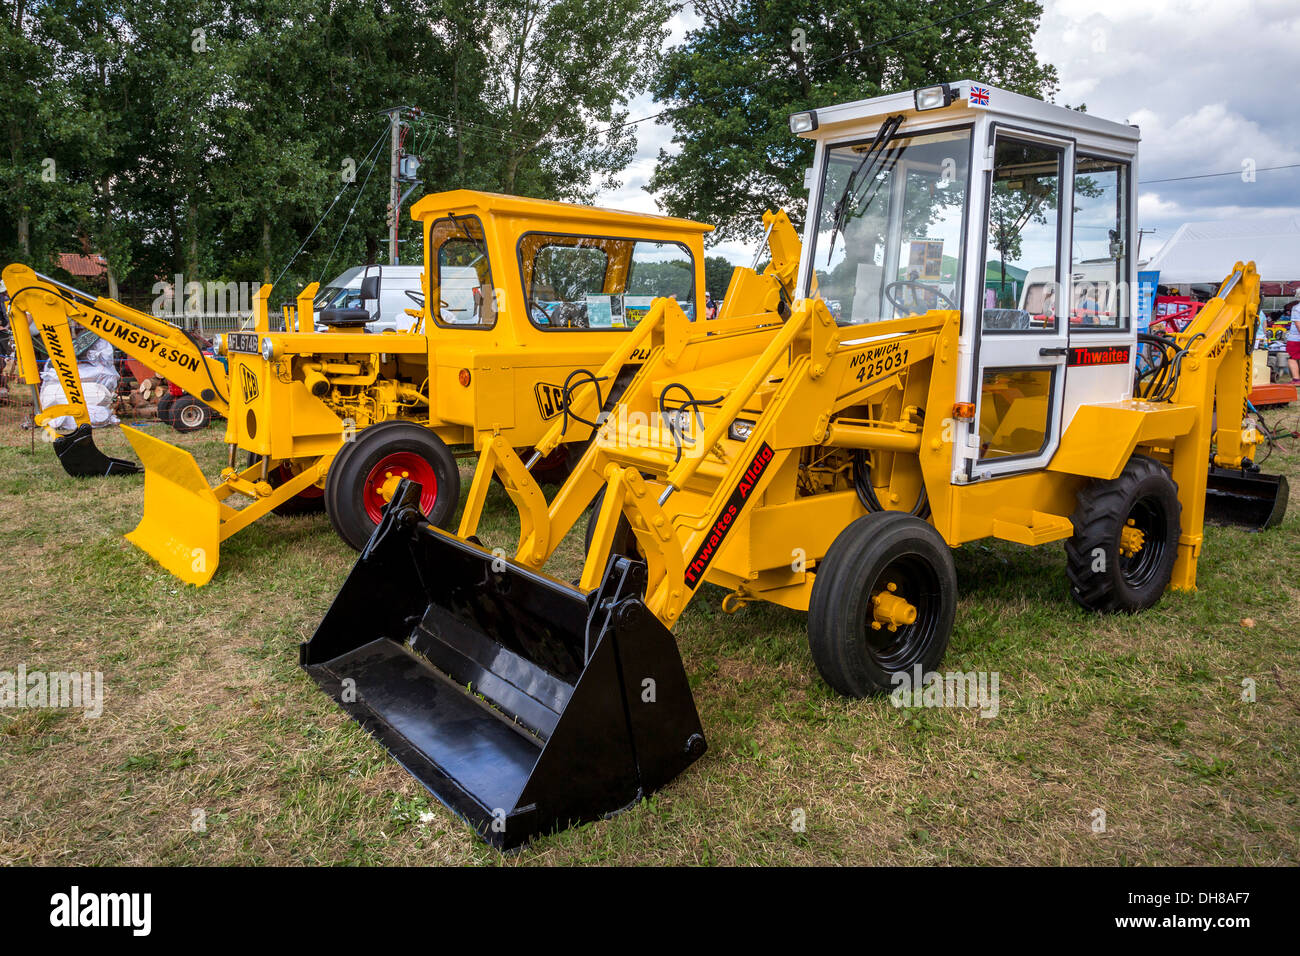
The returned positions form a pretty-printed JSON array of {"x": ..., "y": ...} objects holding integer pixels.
[
  {"x": 414, "y": 296},
  {"x": 538, "y": 307},
  {"x": 917, "y": 288}
]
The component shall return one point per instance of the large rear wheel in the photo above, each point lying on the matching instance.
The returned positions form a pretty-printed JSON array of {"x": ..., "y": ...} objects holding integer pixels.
[
  {"x": 883, "y": 602},
  {"x": 1125, "y": 541},
  {"x": 365, "y": 474},
  {"x": 165, "y": 406}
]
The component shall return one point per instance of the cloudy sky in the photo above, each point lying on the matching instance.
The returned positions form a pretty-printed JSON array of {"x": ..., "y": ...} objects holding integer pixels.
[{"x": 1211, "y": 84}]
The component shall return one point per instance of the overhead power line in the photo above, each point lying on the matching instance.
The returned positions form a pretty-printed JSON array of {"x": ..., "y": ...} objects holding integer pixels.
[{"x": 1231, "y": 172}]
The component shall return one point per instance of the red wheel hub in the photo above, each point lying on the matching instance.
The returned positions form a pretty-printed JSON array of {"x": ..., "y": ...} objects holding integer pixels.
[
  {"x": 390, "y": 468},
  {"x": 284, "y": 473}
]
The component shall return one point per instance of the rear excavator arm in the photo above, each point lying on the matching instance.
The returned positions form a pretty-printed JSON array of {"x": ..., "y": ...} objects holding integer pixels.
[
  {"x": 53, "y": 308},
  {"x": 1212, "y": 375}
]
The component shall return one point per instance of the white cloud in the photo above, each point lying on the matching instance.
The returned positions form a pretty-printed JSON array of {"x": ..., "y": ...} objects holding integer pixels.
[{"x": 1210, "y": 83}]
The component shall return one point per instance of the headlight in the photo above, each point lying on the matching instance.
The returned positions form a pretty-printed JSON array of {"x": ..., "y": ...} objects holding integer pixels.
[
  {"x": 219, "y": 344},
  {"x": 740, "y": 430},
  {"x": 679, "y": 420},
  {"x": 803, "y": 122},
  {"x": 933, "y": 97},
  {"x": 268, "y": 349}
]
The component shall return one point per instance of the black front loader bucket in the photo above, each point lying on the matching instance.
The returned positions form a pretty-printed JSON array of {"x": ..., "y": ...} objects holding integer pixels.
[
  {"x": 522, "y": 704},
  {"x": 81, "y": 457},
  {"x": 1244, "y": 497}
]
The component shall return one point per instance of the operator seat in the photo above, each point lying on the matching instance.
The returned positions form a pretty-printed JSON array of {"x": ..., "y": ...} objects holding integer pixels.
[{"x": 357, "y": 318}]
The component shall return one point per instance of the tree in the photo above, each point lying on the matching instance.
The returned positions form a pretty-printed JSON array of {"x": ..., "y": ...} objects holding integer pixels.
[
  {"x": 210, "y": 137},
  {"x": 566, "y": 71},
  {"x": 733, "y": 84},
  {"x": 717, "y": 275}
]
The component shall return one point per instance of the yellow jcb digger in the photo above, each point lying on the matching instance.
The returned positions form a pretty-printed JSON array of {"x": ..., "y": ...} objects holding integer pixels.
[
  {"x": 56, "y": 311},
  {"x": 522, "y": 296},
  {"x": 825, "y": 455}
]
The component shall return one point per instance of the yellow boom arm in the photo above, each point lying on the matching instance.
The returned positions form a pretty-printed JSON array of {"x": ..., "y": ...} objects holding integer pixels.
[{"x": 53, "y": 308}]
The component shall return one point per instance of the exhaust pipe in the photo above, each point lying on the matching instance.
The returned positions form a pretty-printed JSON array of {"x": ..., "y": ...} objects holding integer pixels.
[{"x": 522, "y": 704}]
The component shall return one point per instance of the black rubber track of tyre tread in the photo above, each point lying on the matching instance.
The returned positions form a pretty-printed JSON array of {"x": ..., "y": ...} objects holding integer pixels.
[
  {"x": 1095, "y": 516},
  {"x": 830, "y": 586}
]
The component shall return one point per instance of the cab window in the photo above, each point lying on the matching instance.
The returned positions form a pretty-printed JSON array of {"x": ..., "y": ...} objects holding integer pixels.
[
  {"x": 462, "y": 294},
  {"x": 1100, "y": 247},
  {"x": 889, "y": 228},
  {"x": 601, "y": 282}
]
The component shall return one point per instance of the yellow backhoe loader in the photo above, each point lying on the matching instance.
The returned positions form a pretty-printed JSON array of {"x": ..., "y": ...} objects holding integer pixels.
[
  {"x": 825, "y": 455},
  {"x": 61, "y": 316},
  {"x": 522, "y": 296}
]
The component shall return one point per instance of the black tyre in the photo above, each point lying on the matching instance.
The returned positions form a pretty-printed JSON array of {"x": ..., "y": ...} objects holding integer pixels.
[
  {"x": 366, "y": 468},
  {"x": 309, "y": 501},
  {"x": 188, "y": 414},
  {"x": 625, "y": 542},
  {"x": 858, "y": 631},
  {"x": 1125, "y": 539},
  {"x": 165, "y": 406},
  {"x": 555, "y": 467}
]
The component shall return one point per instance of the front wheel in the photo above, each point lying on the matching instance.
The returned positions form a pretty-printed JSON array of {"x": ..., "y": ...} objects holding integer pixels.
[
  {"x": 1125, "y": 541},
  {"x": 883, "y": 602},
  {"x": 365, "y": 474}
]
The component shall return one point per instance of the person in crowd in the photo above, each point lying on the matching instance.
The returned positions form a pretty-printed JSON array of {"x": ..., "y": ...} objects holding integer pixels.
[{"x": 1293, "y": 340}]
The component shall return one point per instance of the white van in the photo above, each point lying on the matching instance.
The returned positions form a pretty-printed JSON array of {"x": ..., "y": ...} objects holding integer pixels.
[
  {"x": 1093, "y": 298},
  {"x": 399, "y": 290}
]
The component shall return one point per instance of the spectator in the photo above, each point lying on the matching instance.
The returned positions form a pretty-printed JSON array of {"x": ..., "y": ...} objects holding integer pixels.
[
  {"x": 1293, "y": 341},
  {"x": 710, "y": 306}
]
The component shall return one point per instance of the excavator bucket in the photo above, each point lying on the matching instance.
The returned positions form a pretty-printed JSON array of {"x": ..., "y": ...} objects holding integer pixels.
[
  {"x": 1251, "y": 499},
  {"x": 81, "y": 457},
  {"x": 522, "y": 704},
  {"x": 181, "y": 526}
]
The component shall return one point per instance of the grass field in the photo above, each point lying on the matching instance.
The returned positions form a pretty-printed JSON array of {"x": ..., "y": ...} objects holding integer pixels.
[{"x": 206, "y": 710}]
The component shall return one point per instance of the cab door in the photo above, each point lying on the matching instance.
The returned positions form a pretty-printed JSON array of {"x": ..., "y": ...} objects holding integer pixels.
[{"x": 1020, "y": 359}]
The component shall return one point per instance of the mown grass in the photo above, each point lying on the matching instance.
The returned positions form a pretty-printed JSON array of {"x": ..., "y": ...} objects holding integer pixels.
[{"x": 206, "y": 710}]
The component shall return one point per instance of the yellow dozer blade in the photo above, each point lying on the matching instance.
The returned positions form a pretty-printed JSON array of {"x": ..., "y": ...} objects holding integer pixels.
[{"x": 181, "y": 527}]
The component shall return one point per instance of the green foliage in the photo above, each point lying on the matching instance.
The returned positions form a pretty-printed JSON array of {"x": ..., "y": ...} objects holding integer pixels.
[
  {"x": 717, "y": 275},
  {"x": 735, "y": 81},
  {"x": 207, "y": 137}
]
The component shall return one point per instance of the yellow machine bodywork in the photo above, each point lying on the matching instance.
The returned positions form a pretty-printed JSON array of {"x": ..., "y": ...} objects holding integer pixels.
[
  {"x": 295, "y": 397},
  {"x": 728, "y": 511},
  {"x": 823, "y": 444},
  {"x": 53, "y": 310}
]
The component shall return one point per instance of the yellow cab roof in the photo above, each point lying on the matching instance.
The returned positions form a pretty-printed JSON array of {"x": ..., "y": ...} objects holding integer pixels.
[{"x": 464, "y": 201}]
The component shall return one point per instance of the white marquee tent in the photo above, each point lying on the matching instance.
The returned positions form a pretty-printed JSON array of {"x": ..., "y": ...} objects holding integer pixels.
[{"x": 1203, "y": 252}]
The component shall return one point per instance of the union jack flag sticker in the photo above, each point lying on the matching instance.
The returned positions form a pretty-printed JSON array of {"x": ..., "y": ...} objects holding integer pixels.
[{"x": 979, "y": 96}]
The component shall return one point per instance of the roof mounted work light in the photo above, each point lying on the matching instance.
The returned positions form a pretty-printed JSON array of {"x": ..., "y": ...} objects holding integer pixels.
[
  {"x": 934, "y": 97},
  {"x": 804, "y": 122}
]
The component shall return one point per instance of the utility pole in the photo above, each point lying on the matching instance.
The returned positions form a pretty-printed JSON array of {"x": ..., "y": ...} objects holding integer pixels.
[
  {"x": 402, "y": 169},
  {"x": 394, "y": 213},
  {"x": 1141, "y": 233}
]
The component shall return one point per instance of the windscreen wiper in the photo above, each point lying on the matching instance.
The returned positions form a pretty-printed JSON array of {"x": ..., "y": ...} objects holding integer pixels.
[{"x": 884, "y": 136}]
